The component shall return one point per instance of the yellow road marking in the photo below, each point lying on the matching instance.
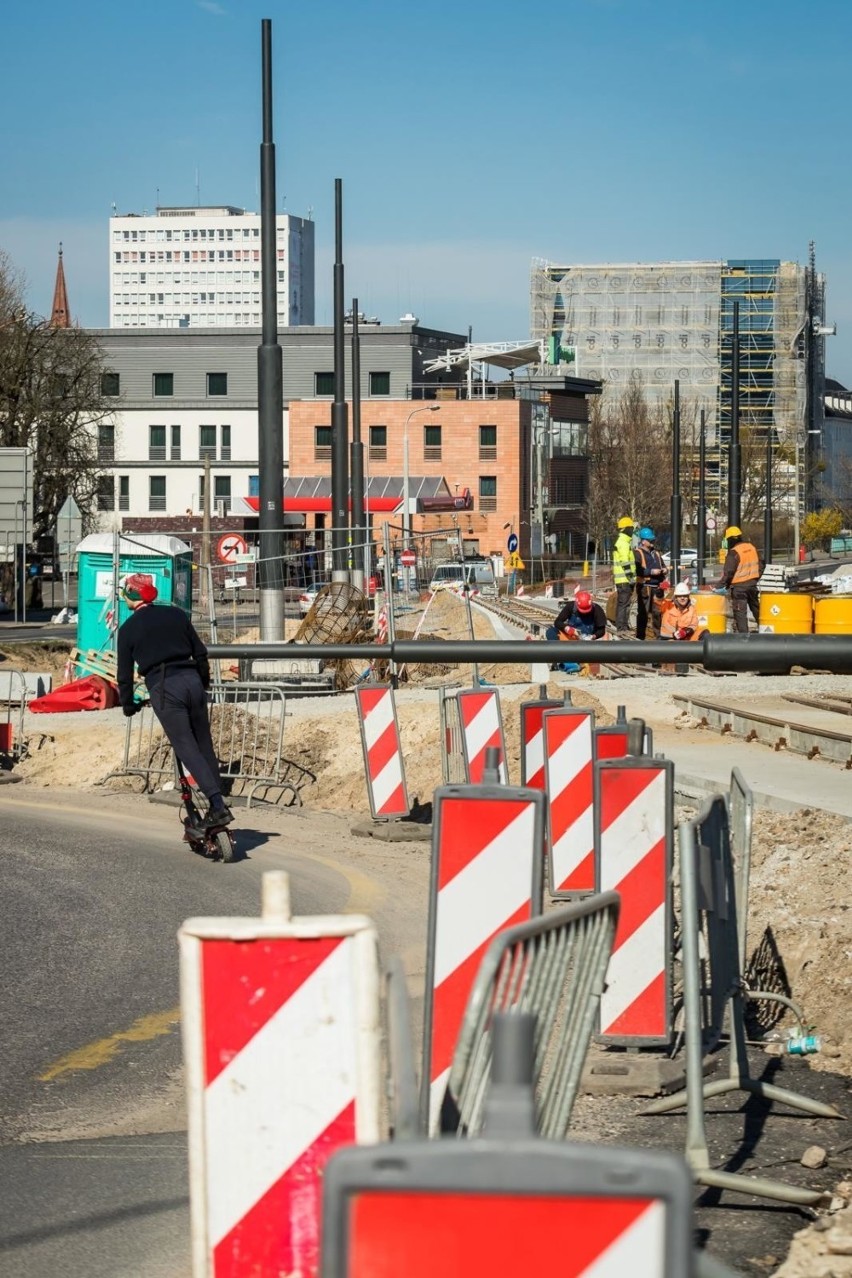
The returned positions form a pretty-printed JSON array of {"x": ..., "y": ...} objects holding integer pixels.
[
  {"x": 93, "y": 1055},
  {"x": 366, "y": 896}
]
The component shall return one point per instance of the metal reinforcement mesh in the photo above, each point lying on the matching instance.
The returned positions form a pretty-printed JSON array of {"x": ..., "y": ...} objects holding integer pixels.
[{"x": 553, "y": 967}]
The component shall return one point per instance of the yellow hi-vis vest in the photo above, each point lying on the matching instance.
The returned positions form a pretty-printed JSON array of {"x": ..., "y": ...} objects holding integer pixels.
[{"x": 623, "y": 561}]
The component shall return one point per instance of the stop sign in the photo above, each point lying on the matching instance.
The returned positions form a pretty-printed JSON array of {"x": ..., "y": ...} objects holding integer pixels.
[{"x": 408, "y": 559}]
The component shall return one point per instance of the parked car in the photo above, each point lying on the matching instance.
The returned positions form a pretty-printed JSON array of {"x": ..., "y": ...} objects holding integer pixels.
[
  {"x": 478, "y": 573},
  {"x": 688, "y": 558}
]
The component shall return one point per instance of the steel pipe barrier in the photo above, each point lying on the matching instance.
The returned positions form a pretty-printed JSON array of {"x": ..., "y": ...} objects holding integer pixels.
[
  {"x": 12, "y": 721},
  {"x": 708, "y": 904},
  {"x": 763, "y": 654},
  {"x": 247, "y": 727},
  {"x": 553, "y": 967},
  {"x": 486, "y": 875}
]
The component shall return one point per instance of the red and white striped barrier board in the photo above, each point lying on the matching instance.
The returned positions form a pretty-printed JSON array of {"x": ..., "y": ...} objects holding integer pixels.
[
  {"x": 281, "y": 1045},
  {"x": 570, "y": 821},
  {"x": 482, "y": 727},
  {"x": 634, "y": 816},
  {"x": 610, "y": 742},
  {"x": 532, "y": 742},
  {"x": 383, "y": 765},
  {"x": 486, "y": 875},
  {"x": 477, "y": 1208}
]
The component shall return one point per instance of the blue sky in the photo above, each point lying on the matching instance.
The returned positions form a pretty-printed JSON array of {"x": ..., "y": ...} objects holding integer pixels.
[{"x": 471, "y": 137}]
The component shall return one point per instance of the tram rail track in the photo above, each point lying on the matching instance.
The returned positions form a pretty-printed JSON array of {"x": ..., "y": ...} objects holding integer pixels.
[{"x": 817, "y": 731}]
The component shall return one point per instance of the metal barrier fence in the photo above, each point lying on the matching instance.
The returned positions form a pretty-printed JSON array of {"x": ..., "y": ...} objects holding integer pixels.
[
  {"x": 453, "y": 770},
  {"x": 247, "y": 727},
  {"x": 713, "y": 986},
  {"x": 553, "y": 967},
  {"x": 12, "y": 708}
]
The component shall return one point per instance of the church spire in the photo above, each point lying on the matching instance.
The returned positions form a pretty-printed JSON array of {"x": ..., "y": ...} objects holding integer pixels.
[{"x": 60, "y": 316}]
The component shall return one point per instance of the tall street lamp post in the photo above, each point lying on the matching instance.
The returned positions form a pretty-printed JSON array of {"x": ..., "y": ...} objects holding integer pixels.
[{"x": 406, "y": 495}]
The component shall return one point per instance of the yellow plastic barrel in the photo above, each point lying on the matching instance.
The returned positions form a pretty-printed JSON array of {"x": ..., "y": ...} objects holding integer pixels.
[
  {"x": 786, "y": 614},
  {"x": 833, "y": 616},
  {"x": 712, "y": 612}
]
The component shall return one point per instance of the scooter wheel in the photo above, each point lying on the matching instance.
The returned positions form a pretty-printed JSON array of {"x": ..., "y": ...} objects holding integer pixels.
[{"x": 223, "y": 845}]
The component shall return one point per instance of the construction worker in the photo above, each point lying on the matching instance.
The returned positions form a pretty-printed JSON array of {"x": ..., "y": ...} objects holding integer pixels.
[
  {"x": 680, "y": 619},
  {"x": 581, "y": 618},
  {"x": 650, "y": 575},
  {"x": 162, "y": 642},
  {"x": 741, "y": 573},
  {"x": 624, "y": 573}
]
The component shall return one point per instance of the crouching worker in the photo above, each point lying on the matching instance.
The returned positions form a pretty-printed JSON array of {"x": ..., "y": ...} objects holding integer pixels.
[
  {"x": 581, "y": 618},
  {"x": 162, "y": 641},
  {"x": 680, "y": 620}
]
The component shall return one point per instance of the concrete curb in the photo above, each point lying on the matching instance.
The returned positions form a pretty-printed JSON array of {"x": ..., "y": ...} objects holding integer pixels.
[{"x": 691, "y": 788}]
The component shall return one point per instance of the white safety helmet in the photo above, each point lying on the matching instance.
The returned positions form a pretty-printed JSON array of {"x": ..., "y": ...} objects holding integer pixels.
[{"x": 681, "y": 590}]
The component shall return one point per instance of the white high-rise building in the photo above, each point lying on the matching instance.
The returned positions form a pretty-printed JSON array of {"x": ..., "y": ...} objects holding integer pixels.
[{"x": 200, "y": 268}]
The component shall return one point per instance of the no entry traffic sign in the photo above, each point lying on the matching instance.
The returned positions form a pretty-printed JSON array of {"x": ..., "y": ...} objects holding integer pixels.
[
  {"x": 408, "y": 559},
  {"x": 229, "y": 546}
]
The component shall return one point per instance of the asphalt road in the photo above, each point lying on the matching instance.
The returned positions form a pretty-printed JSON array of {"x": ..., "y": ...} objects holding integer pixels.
[{"x": 92, "y": 1143}]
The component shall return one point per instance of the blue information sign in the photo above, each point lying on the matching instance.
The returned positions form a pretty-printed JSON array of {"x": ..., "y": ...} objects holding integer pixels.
[{"x": 512, "y": 543}]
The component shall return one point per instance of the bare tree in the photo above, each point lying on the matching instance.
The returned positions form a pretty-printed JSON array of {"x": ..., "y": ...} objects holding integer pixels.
[
  {"x": 51, "y": 402},
  {"x": 629, "y": 460}
]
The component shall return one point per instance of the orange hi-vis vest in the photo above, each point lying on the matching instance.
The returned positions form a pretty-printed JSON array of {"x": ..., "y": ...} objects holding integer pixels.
[{"x": 748, "y": 569}]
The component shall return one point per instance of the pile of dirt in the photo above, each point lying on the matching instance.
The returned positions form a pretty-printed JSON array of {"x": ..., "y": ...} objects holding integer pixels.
[
  {"x": 43, "y": 657},
  {"x": 800, "y": 921}
]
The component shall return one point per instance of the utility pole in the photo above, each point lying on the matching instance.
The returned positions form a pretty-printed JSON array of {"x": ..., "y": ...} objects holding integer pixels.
[
  {"x": 270, "y": 388},
  {"x": 339, "y": 415},
  {"x": 676, "y": 510},
  {"x": 205, "y": 584},
  {"x": 361, "y": 567},
  {"x": 734, "y": 477},
  {"x": 701, "y": 540}
]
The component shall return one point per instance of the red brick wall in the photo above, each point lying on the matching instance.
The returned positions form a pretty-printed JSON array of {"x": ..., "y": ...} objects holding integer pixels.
[{"x": 460, "y": 464}]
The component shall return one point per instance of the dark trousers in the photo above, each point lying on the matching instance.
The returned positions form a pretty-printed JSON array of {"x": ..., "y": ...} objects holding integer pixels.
[
  {"x": 645, "y": 596},
  {"x": 179, "y": 701},
  {"x": 624, "y": 593},
  {"x": 745, "y": 598}
]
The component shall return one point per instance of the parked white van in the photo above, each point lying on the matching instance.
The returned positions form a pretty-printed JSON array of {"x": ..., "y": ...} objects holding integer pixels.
[{"x": 478, "y": 573}]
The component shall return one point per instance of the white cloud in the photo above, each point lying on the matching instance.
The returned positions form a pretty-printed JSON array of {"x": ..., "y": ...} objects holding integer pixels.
[{"x": 210, "y": 6}]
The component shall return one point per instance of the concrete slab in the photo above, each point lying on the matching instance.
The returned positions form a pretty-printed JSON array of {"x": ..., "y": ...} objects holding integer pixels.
[{"x": 780, "y": 781}]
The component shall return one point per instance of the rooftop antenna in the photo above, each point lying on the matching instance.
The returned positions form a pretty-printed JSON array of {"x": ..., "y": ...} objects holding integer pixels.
[
  {"x": 310, "y": 212},
  {"x": 197, "y": 188},
  {"x": 157, "y": 205}
]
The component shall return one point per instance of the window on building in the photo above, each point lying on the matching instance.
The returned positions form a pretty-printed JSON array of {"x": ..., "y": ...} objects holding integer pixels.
[
  {"x": 124, "y": 492},
  {"x": 156, "y": 443},
  {"x": 487, "y": 492},
  {"x": 106, "y": 443},
  {"x": 432, "y": 443},
  {"x": 207, "y": 442},
  {"x": 378, "y": 443},
  {"x": 322, "y": 443},
  {"x": 110, "y": 384},
  {"x": 217, "y": 383},
  {"x": 225, "y": 451},
  {"x": 164, "y": 384},
  {"x": 254, "y": 485},
  {"x": 570, "y": 439},
  {"x": 379, "y": 384},
  {"x": 175, "y": 443},
  {"x": 323, "y": 383},
  {"x": 156, "y": 492},
  {"x": 488, "y": 443},
  {"x": 222, "y": 494},
  {"x": 105, "y": 494}
]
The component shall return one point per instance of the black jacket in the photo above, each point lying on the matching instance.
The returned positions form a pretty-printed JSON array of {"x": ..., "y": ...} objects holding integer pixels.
[
  {"x": 593, "y": 623},
  {"x": 154, "y": 636}
]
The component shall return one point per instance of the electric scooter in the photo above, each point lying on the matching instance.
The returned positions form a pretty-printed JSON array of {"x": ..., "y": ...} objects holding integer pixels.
[{"x": 216, "y": 843}]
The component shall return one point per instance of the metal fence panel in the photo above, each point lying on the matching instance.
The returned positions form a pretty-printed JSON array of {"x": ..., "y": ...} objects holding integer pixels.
[
  {"x": 453, "y": 770},
  {"x": 247, "y": 727},
  {"x": 553, "y": 967}
]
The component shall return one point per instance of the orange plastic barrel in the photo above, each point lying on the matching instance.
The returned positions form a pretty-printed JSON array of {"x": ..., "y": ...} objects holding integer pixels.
[
  {"x": 833, "y": 616},
  {"x": 712, "y": 612},
  {"x": 786, "y": 614}
]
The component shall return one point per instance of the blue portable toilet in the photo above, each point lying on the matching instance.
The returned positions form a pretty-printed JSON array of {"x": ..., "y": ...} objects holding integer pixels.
[{"x": 167, "y": 560}]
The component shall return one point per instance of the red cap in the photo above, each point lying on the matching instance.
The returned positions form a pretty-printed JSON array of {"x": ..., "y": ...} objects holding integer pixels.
[{"x": 584, "y": 601}]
